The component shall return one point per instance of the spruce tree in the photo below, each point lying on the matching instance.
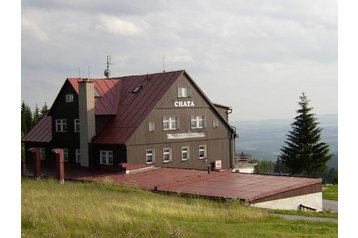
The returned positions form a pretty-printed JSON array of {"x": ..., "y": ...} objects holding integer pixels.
[
  {"x": 304, "y": 153},
  {"x": 26, "y": 118},
  {"x": 44, "y": 110},
  {"x": 36, "y": 116}
]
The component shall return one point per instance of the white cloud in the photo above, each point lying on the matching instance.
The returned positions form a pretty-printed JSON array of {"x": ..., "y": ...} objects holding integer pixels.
[
  {"x": 116, "y": 25},
  {"x": 34, "y": 30}
]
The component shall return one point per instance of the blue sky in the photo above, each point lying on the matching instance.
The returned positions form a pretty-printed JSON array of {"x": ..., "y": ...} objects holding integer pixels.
[{"x": 256, "y": 56}]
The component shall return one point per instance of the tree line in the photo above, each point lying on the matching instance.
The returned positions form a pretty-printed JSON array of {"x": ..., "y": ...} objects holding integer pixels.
[{"x": 30, "y": 118}]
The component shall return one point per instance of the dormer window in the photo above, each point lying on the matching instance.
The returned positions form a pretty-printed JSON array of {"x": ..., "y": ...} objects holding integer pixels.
[
  {"x": 69, "y": 98},
  {"x": 96, "y": 94},
  {"x": 136, "y": 89}
]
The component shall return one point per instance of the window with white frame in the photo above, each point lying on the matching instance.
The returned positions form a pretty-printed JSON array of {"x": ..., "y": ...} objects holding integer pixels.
[
  {"x": 197, "y": 122},
  {"x": 77, "y": 125},
  {"x": 202, "y": 152},
  {"x": 183, "y": 92},
  {"x": 170, "y": 123},
  {"x": 106, "y": 157},
  {"x": 151, "y": 126},
  {"x": 65, "y": 155},
  {"x": 78, "y": 156},
  {"x": 185, "y": 153},
  {"x": 167, "y": 155},
  {"x": 42, "y": 154},
  {"x": 61, "y": 125},
  {"x": 150, "y": 156},
  {"x": 69, "y": 98},
  {"x": 215, "y": 123}
]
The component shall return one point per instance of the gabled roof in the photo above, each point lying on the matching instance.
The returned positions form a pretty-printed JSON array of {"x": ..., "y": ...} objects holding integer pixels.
[
  {"x": 129, "y": 99},
  {"x": 109, "y": 94},
  {"x": 138, "y": 96},
  {"x": 41, "y": 132}
]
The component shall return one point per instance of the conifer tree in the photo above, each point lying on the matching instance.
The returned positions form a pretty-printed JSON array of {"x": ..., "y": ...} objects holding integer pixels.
[
  {"x": 36, "y": 117},
  {"x": 304, "y": 153},
  {"x": 44, "y": 110},
  {"x": 26, "y": 118}
]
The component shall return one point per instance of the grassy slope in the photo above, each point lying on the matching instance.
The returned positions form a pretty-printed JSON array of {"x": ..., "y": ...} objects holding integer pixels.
[
  {"x": 93, "y": 210},
  {"x": 331, "y": 192}
]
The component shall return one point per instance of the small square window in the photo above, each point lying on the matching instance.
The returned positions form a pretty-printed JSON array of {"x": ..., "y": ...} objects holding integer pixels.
[
  {"x": 77, "y": 125},
  {"x": 151, "y": 126},
  {"x": 61, "y": 125},
  {"x": 202, "y": 152},
  {"x": 106, "y": 157},
  {"x": 150, "y": 156},
  {"x": 65, "y": 155},
  {"x": 167, "y": 155},
  {"x": 215, "y": 123},
  {"x": 69, "y": 98},
  {"x": 183, "y": 92},
  {"x": 170, "y": 123},
  {"x": 78, "y": 156},
  {"x": 197, "y": 122},
  {"x": 185, "y": 153}
]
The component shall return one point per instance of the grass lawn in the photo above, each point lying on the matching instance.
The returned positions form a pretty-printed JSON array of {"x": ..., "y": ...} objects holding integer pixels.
[
  {"x": 50, "y": 209},
  {"x": 330, "y": 192}
]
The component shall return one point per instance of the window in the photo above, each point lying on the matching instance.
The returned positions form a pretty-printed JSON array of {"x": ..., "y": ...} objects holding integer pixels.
[
  {"x": 136, "y": 89},
  {"x": 78, "y": 156},
  {"x": 170, "y": 123},
  {"x": 61, "y": 125},
  {"x": 202, "y": 151},
  {"x": 42, "y": 154},
  {"x": 65, "y": 155},
  {"x": 77, "y": 125},
  {"x": 215, "y": 123},
  {"x": 167, "y": 155},
  {"x": 151, "y": 126},
  {"x": 106, "y": 157},
  {"x": 69, "y": 98},
  {"x": 150, "y": 156},
  {"x": 185, "y": 153},
  {"x": 197, "y": 122},
  {"x": 183, "y": 92},
  {"x": 95, "y": 92}
]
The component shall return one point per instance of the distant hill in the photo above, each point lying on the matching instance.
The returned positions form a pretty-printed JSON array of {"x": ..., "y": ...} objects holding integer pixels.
[{"x": 264, "y": 139}]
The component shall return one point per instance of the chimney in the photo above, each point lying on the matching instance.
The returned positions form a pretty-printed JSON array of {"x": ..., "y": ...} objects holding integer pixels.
[{"x": 87, "y": 118}]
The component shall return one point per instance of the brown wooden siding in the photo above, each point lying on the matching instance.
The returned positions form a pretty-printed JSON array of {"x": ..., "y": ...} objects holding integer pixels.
[{"x": 216, "y": 139}]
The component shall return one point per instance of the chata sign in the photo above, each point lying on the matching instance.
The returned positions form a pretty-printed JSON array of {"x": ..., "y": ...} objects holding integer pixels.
[{"x": 184, "y": 104}]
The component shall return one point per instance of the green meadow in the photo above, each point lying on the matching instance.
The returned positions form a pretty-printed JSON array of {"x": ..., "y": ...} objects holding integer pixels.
[{"x": 75, "y": 209}]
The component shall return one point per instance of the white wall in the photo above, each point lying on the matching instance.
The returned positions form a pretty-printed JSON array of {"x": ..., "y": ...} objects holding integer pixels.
[{"x": 313, "y": 200}]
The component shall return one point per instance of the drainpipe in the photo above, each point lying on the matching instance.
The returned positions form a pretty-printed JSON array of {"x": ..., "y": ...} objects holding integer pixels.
[{"x": 232, "y": 146}]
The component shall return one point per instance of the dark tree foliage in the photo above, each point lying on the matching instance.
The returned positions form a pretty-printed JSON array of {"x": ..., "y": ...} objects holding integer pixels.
[
  {"x": 304, "y": 153},
  {"x": 264, "y": 166},
  {"x": 280, "y": 167},
  {"x": 37, "y": 115},
  {"x": 26, "y": 118},
  {"x": 44, "y": 110}
]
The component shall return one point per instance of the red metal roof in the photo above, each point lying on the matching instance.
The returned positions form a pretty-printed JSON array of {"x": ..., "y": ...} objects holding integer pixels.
[
  {"x": 134, "y": 107},
  {"x": 109, "y": 91},
  {"x": 41, "y": 132}
]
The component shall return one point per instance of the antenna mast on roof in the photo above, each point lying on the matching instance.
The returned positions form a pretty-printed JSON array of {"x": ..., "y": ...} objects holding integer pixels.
[
  {"x": 163, "y": 65},
  {"x": 107, "y": 72}
]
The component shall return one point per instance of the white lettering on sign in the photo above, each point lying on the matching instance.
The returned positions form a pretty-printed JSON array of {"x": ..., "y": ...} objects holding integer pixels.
[{"x": 184, "y": 104}]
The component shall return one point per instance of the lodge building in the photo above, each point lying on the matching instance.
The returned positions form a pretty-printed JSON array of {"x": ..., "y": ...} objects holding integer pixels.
[{"x": 130, "y": 122}]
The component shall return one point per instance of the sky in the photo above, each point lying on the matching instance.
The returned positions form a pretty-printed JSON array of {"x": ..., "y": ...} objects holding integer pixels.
[{"x": 255, "y": 56}]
